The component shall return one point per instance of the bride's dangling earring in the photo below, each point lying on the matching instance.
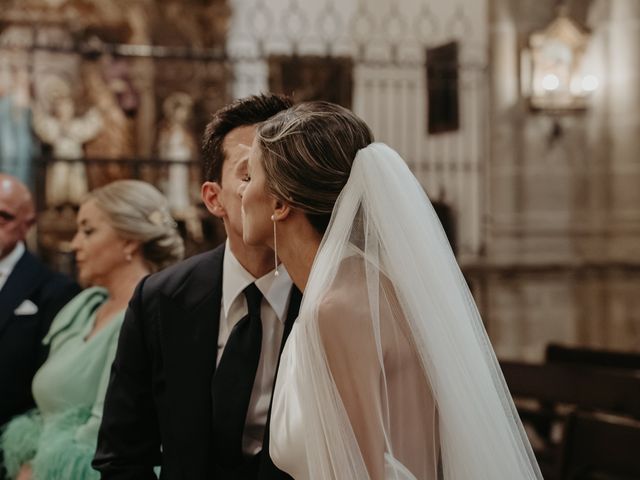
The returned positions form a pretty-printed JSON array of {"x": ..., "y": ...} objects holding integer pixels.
[{"x": 275, "y": 246}]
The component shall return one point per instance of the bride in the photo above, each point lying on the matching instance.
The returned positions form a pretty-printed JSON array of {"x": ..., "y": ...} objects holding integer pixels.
[{"x": 388, "y": 372}]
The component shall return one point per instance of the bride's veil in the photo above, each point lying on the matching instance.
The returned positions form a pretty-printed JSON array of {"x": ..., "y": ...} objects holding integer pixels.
[{"x": 399, "y": 378}]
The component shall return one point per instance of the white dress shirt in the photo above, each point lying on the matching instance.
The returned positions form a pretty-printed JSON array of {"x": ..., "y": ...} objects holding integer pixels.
[
  {"x": 273, "y": 313},
  {"x": 8, "y": 263}
]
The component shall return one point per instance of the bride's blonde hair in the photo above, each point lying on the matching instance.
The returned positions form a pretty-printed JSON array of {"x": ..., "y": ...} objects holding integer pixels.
[{"x": 307, "y": 152}]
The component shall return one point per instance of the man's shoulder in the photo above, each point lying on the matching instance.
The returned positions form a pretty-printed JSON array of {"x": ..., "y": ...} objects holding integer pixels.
[
  {"x": 44, "y": 279},
  {"x": 175, "y": 277},
  {"x": 29, "y": 262}
]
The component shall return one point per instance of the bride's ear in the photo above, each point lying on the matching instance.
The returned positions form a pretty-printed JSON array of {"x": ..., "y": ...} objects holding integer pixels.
[{"x": 281, "y": 211}]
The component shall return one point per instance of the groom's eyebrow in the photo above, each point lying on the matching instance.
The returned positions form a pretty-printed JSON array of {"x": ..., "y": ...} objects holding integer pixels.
[
  {"x": 244, "y": 150},
  {"x": 242, "y": 164}
]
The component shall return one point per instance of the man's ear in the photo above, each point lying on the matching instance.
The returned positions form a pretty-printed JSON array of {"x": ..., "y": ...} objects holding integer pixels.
[
  {"x": 210, "y": 193},
  {"x": 281, "y": 210}
]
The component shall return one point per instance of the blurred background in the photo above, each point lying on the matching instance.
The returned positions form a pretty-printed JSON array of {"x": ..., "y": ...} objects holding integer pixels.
[{"x": 521, "y": 119}]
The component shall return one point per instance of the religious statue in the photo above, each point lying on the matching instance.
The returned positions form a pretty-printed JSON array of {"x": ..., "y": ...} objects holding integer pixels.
[
  {"x": 176, "y": 144},
  {"x": 66, "y": 132},
  {"x": 17, "y": 146},
  {"x": 109, "y": 88}
]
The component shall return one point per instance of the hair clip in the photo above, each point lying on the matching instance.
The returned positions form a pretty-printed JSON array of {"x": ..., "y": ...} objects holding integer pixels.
[{"x": 161, "y": 218}]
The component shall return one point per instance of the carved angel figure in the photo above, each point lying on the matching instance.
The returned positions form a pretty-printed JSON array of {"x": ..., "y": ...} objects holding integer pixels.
[{"x": 66, "y": 180}]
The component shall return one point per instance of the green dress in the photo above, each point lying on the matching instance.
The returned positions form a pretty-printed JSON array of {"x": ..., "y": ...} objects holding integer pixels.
[{"x": 59, "y": 437}]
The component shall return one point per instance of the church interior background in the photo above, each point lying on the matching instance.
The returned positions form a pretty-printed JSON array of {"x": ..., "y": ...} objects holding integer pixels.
[{"x": 537, "y": 191}]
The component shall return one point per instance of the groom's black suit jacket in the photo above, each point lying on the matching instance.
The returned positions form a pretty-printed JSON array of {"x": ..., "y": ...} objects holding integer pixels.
[{"x": 158, "y": 405}]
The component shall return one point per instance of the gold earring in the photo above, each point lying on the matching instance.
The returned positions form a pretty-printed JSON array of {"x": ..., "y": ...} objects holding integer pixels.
[{"x": 275, "y": 246}]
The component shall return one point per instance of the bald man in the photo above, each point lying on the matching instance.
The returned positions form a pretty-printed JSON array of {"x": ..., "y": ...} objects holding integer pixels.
[{"x": 30, "y": 296}]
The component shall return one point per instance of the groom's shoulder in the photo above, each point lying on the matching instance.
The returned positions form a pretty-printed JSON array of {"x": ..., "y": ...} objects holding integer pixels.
[{"x": 173, "y": 278}]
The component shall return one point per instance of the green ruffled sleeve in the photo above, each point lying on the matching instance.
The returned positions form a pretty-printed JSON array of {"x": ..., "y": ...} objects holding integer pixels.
[
  {"x": 20, "y": 440},
  {"x": 50, "y": 447},
  {"x": 68, "y": 441},
  {"x": 74, "y": 317},
  {"x": 59, "y": 455}
]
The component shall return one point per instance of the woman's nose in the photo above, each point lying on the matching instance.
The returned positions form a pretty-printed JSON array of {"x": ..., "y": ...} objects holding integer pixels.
[{"x": 241, "y": 189}]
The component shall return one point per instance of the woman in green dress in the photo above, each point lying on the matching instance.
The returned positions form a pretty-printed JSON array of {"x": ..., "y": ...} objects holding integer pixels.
[{"x": 124, "y": 232}]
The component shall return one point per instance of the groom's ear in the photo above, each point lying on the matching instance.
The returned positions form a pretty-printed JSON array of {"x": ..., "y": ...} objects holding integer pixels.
[
  {"x": 281, "y": 210},
  {"x": 210, "y": 193}
]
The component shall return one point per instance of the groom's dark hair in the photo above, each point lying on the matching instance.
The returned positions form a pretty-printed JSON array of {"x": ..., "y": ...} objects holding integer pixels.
[{"x": 244, "y": 111}]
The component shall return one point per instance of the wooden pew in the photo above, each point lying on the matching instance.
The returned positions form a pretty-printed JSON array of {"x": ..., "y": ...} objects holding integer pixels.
[
  {"x": 592, "y": 358},
  {"x": 600, "y": 446},
  {"x": 546, "y": 393},
  {"x": 589, "y": 388}
]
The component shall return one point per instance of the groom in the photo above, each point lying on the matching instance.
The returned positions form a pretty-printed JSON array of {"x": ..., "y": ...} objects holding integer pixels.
[{"x": 183, "y": 393}]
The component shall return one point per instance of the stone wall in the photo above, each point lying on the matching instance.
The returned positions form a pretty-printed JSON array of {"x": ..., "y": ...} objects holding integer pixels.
[{"x": 563, "y": 239}]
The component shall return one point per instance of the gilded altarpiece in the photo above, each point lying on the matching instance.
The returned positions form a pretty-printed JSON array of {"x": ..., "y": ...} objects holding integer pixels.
[{"x": 135, "y": 81}]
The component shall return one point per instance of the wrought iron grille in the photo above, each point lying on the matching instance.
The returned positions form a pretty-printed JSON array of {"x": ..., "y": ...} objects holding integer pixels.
[
  {"x": 387, "y": 43},
  {"x": 383, "y": 48}
]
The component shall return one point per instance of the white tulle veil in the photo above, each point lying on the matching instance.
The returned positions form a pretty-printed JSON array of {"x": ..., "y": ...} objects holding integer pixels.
[{"x": 394, "y": 371}]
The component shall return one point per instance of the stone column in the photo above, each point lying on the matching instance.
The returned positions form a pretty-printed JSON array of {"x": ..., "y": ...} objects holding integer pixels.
[
  {"x": 591, "y": 210},
  {"x": 623, "y": 87},
  {"x": 504, "y": 176}
]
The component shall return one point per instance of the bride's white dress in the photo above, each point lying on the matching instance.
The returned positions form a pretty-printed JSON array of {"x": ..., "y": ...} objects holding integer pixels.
[
  {"x": 288, "y": 444},
  {"x": 388, "y": 373},
  {"x": 386, "y": 409}
]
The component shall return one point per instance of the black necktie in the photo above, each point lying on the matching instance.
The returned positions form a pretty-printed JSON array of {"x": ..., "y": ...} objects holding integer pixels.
[{"x": 233, "y": 380}]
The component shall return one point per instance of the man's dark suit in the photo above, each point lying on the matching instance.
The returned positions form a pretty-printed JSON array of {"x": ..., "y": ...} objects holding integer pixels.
[
  {"x": 21, "y": 349},
  {"x": 160, "y": 387}
]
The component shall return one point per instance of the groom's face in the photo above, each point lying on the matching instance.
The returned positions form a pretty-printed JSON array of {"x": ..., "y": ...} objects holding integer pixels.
[{"x": 236, "y": 146}]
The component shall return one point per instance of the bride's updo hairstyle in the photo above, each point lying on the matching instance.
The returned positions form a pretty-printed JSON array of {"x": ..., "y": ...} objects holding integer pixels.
[
  {"x": 307, "y": 152},
  {"x": 138, "y": 211}
]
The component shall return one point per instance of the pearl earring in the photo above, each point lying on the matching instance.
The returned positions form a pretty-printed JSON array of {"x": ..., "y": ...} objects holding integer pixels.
[
  {"x": 275, "y": 246},
  {"x": 128, "y": 257}
]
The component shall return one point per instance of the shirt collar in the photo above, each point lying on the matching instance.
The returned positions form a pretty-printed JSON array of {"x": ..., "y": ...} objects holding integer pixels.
[
  {"x": 235, "y": 279},
  {"x": 9, "y": 262}
]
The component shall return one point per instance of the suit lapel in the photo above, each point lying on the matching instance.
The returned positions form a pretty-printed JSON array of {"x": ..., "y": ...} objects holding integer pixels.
[
  {"x": 190, "y": 320},
  {"x": 24, "y": 279}
]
